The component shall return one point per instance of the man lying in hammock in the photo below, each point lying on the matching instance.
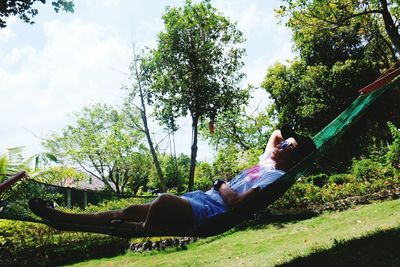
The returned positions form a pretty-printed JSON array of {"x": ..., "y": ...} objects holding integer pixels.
[{"x": 171, "y": 213}]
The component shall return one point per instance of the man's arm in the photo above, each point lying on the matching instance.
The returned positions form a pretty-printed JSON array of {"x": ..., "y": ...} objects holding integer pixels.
[
  {"x": 231, "y": 198},
  {"x": 274, "y": 139}
]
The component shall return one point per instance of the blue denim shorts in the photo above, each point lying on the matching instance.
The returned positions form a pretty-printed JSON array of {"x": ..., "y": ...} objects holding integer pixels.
[{"x": 203, "y": 206}]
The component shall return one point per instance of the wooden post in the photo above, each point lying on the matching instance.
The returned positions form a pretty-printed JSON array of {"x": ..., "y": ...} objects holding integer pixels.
[
  {"x": 68, "y": 198},
  {"x": 84, "y": 200}
]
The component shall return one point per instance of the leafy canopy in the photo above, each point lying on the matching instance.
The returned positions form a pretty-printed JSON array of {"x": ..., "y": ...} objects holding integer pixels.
[
  {"x": 196, "y": 66},
  {"x": 102, "y": 143},
  {"x": 25, "y": 11}
]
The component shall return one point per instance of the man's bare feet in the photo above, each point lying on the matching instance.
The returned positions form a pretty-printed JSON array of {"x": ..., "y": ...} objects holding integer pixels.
[{"x": 42, "y": 208}]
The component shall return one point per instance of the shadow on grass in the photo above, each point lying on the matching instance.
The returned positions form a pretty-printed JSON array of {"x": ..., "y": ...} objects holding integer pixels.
[
  {"x": 381, "y": 248},
  {"x": 278, "y": 221}
]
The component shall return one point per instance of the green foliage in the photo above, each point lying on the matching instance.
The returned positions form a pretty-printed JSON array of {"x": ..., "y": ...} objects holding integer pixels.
[
  {"x": 342, "y": 46},
  {"x": 11, "y": 162},
  {"x": 24, "y": 10},
  {"x": 204, "y": 176},
  {"x": 237, "y": 127},
  {"x": 60, "y": 175},
  {"x": 303, "y": 194},
  {"x": 226, "y": 163},
  {"x": 230, "y": 160},
  {"x": 195, "y": 69},
  {"x": 326, "y": 31},
  {"x": 175, "y": 171},
  {"x": 368, "y": 169},
  {"x": 393, "y": 154},
  {"x": 311, "y": 96},
  {"x": 117, "y": 204},
  {"x": 139, "y": 89},
  {"x": 318, "y": 179},
  {"x": 340, "y": 178},
  {"x": 366, "y": 176},
  {"x": 102, "y": 143},
  {"x": 19, "y": 239}
]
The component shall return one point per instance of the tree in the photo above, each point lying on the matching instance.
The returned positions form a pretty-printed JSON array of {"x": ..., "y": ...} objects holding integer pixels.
[
  {"x": 195, "y": 68},
  {"x": 13, "y": 161},
  {"x": 24, "y": 10},
  {"x": 237, "y": 127},
  {"x": 310, "y": 96},
  {"x": 204, "y": 177},
  {"x": 342, "y": 46},
  {"x": 103, "y": 145},
  {"x": 230, "y": 160},
  {"x": 374, "y": 22},
  {"x": 175, "y": 169},
  {"x": 61, "y": 175},
  {"x": 139, "y": 88},
  {"x": 393, "y": 153}
]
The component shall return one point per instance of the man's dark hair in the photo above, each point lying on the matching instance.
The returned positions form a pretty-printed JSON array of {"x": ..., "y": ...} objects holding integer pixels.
[
  {"x": 305, "y": 147},
  {"x": 305, "y": 144}
]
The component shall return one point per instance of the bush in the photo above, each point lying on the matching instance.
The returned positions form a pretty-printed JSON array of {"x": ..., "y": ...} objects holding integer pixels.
[
  {"x": 340, "y": 178},
  {"x": 367, "y": 169},
  {"x": 393, "y": 154},
  {"x": 318, "y": 179},
  {"x": 28, "y": 244},
  {"x": 204, "y": 176},
  {"x": 303, "y": 194},
  {"x": 20, "y": 241},
  {"x": 115, "y": 204},
  {"x": 226, "y": 164}
]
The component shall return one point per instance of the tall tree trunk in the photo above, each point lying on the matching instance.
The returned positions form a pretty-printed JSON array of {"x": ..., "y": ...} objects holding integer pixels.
[
  {"x": 143, "y": 114},
  {"x": 193, "y": 155},
  {"x": 153, "y": 152},
  {"x": 390, "y": 27}
]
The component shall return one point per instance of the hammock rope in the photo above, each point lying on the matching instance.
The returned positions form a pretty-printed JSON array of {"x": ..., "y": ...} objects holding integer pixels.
[{"x": 324, "y": 140}]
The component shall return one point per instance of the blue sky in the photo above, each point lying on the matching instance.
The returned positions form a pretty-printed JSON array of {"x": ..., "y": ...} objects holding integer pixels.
[{"x": 63, "y": 62}]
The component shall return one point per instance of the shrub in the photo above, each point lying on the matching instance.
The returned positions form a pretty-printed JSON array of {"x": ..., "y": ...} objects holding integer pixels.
[
  {"x": 204, "y": 176},
  {"x": 115, "y": 204},
  {"x": 318, "y": 179},
  {"x": 340, "y": 178},
  {"x": 23, "y": 242},
  {"x": 393, "y": 154},
  {"x": 366, "y": 169},
  {"x": 303, "y": 194},
  {"x": 226, "y": 164}
]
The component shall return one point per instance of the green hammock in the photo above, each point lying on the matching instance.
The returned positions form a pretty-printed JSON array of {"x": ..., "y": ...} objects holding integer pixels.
[{"x": 324, "y": 140}]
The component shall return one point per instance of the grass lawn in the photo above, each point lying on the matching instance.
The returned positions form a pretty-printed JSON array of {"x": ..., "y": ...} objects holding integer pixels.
[{"x": 367, "y": 235}]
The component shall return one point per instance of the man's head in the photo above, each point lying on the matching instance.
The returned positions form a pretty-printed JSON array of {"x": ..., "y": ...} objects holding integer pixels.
[
  {"x": 300, "y": 146},
  {"x": 305, "y": 147}
]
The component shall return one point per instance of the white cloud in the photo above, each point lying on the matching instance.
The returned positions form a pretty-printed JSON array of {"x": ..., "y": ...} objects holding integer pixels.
[
  {"x": 75, "y": 68},
  {"x": 107, "y": 3},
  {"x": 18, "y": 56},
  {"x": 6, "y": 34},
  {"x": 252, "y": 17}
]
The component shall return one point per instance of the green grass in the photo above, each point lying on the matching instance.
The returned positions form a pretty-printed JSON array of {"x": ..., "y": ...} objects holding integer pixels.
[{"x": 335, "y": 238}]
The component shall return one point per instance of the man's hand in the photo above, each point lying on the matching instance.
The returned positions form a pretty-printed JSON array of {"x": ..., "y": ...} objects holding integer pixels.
[{"x": 231, "y": 198}]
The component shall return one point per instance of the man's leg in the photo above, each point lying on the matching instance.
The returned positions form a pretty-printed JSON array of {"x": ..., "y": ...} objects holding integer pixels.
[
  {"x": 166, "y": 213},
  {"x": 134, "y": 213},
  {"x": 169, "y": 213}
]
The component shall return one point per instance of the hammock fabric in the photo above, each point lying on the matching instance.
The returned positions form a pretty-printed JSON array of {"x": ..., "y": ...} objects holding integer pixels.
[{"x": 324, "y": 140}]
